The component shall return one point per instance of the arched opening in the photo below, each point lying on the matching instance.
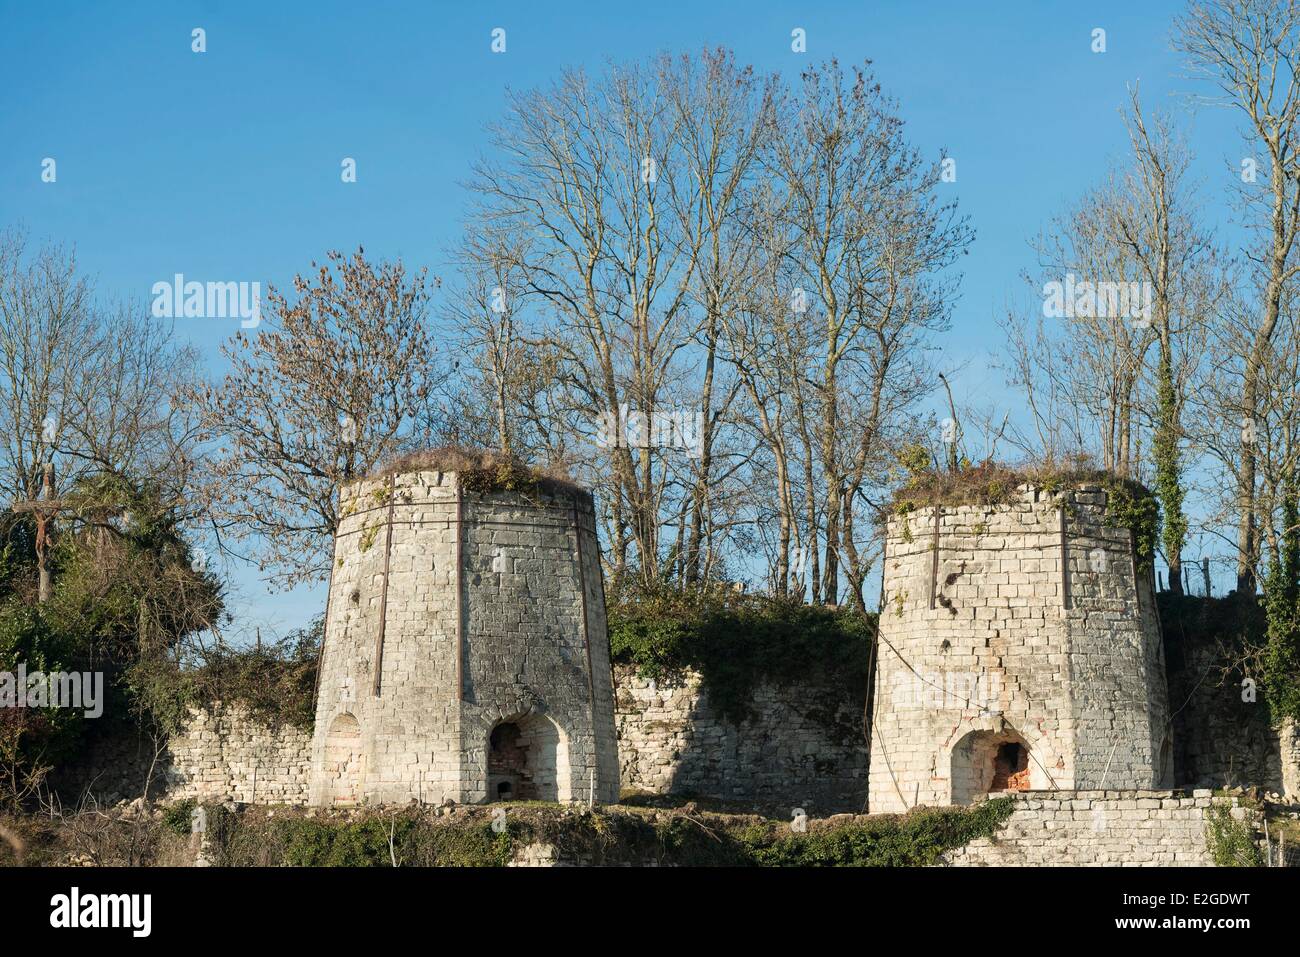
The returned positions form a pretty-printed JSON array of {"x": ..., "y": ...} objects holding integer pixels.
[
  {"x": 343, "y": 760},
  {"x": 986, "y": 761},
  {"x": 527, "y": 760}
]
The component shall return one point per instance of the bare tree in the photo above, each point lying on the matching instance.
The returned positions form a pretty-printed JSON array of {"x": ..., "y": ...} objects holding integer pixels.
[
  {"x": 871, "y": 246},
  {"x": 46, "y": 330},
  {"x": 1080, "y": 256},
  {"x": 333, "y": 383},
  {"x": 1035, "y": 364},
  {"x": 1176, "y": 260},
  {"x": 651, "y": 228},
  {"x": 723, "y": 113},
  {"x": 87, "y": 390},
  {"x": 588, "y": 169},
  {"x": 768, "y": 352},
  {"x": 1248, "y": 49},
  {"x": 498, "y": 355}
]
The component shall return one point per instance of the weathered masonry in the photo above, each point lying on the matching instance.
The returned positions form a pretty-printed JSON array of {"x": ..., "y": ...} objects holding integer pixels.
[
  {"x": 1019, "y": 650},
  {"x": 1142, "y": 828},
  {"x": 672, "y": 740},
  {"x": 466, "y": 654}
]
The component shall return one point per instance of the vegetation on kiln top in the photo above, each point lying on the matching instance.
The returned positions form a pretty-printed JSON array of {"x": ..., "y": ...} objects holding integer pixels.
[
  {"x": 1129, "y": 503},
  {"x": 994, "y": 483},
  {"x": 481, "y": 470}
]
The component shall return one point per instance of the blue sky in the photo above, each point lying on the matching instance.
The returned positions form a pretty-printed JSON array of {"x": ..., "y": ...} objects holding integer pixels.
[{"x": 225, "y": 165}]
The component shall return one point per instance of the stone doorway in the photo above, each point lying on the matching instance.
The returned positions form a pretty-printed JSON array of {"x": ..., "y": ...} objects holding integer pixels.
[
  {"x": 343, "y": 761},
  {"x": 527, "y": 760}
]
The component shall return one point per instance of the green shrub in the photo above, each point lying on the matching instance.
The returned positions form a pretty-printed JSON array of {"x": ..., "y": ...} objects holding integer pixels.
[
  {"x": 1231, "y": 842},
  {"x": 179, "y": 817},
  {"x": 274, "y": 681},
  {"x": 408, "y": 837},
  {"x": 123, "y": 592},
  {"x": 739, "y": 641},
  {"x": 475, "y": 837},
  {"x": 916, "y": 839},
  {"x": 34, "y": 740},
  {"x": 614, "y": 837}
]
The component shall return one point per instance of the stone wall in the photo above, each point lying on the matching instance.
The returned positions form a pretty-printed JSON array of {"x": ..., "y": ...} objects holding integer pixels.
[
  {"x": 1073, "y": 685},
  {"x": 223, "y": 754},
  {"x": 1096, "y": 828},
  {"x": 1137, "y": 828},
  {"x": 1221, "y": 741},
  {"x": 1290, "y": 759},
  {"x": 804, "y": 748},
  {"x": 1022, "y": 631}
]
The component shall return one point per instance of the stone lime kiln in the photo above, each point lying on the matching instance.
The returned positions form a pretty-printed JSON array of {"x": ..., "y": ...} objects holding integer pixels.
[
  {"x": 1019, "y": 649},
  {"x": 466, "y": 655}
]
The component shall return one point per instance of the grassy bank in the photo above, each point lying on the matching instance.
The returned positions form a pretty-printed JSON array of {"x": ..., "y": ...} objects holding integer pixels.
[{"x": 492, "y": 836}]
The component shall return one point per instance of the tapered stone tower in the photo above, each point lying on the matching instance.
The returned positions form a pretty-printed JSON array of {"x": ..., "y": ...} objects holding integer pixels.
[
  {"x": 466, "y": 655},
  {"x": 1019, "y": 649}
]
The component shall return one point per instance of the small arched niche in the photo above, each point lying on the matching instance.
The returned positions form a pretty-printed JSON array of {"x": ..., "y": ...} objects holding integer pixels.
[
  {"x": 527, "y": 760},
  {"x": 984, "y": 762},
  {"x": 343, "y": 760}
]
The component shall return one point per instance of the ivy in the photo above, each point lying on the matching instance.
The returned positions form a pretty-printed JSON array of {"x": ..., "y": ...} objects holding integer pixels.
[
  {"x": 737, "y": 642},
  {"x": 914, "y": 840},
  {"x": 179, "y": 817},
  {"x": 1130, "y": 505},
  {"x": 1168, "y": 472},
  {"x": 368, "y": 536},
  {"x": 1279, "y": 657}
]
